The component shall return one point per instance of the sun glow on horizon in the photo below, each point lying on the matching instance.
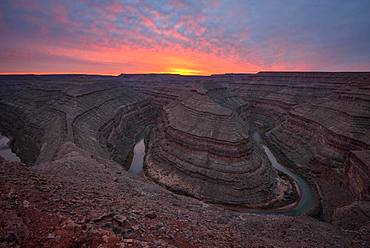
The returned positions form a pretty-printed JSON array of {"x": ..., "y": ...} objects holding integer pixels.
[
  {"x": 180, "y": 37},
  {"x": 185, "y": 72}
]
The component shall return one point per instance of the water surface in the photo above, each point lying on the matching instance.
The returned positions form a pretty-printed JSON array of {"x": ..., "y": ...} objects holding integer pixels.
[
  {"x": 5, "y": 150},
  {"x": 307, "y": 200},
  {"x": 307, "y": 197},
  {"x": 137, "y": 162}
]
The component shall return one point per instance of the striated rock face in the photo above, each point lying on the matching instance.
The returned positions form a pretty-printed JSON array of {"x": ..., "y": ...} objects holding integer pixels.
[
  {"x": 202, "y": 149},
  {"x": 78, "y": 132},
  {"x": 98, "y": 114},
  {"x": 326, "y": 130},
  {"x": 358, "y": 173}
]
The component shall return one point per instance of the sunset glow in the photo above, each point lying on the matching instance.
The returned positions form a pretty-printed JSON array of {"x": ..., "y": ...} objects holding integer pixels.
[
  {"x": 183, "y": 37},
  {"x": 183, "y": 71}
]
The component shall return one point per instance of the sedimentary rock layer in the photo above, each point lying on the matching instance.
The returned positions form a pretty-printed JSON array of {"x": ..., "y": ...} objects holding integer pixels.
[
  {"x": 358, "y": 173},
  {"x": 98, "y": 114},
  {"x": 318, "y": 123},
  {"x": 202, "y": 149}
]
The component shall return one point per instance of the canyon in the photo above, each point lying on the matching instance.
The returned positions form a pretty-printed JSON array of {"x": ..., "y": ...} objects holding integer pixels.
[{"x": 164, "y": 160}]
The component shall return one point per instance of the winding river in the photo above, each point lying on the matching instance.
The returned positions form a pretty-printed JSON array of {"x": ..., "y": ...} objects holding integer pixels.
[
  {"x": 307, "y": 197},
  {"x": 5, "y": 150}
]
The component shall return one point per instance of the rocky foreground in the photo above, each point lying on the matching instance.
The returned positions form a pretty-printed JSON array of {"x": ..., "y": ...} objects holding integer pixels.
[{"x": 75, "y": 135}]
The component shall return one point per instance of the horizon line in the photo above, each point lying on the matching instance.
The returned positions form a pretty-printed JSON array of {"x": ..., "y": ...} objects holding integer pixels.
[{"x": 166, "y": 73}]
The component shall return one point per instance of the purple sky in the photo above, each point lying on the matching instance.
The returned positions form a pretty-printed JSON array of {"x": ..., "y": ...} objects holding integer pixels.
[{"x": 188, "y": 37}]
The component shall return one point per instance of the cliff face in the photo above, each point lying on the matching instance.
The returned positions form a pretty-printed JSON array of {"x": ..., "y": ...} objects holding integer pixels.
[
  {"x": 202, "y": 149},
  {"x": 79, "y": 130},
  {"x": 326, "y": 130},
  {"x": 315, "y": 121},
  {"x": 358, "y": 173},
  {"x": 97, "y": 114}
]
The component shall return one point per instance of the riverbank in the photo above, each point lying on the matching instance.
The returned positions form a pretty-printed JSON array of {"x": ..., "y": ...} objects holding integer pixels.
[
  {"x": 304, "y": 198},
  {"x": 317, "y": 209},
  {"x": 306, "y": 202}
]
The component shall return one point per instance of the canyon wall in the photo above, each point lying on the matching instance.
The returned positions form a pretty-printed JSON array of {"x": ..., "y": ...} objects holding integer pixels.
[
  {"x": 202, "y": 149},
  {"x": 97, "y": 114},
  {"x": 318, "y": 123}
]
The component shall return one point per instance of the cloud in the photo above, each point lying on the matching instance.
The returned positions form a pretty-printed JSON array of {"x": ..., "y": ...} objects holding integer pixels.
[{"x": 209, "y": 36}]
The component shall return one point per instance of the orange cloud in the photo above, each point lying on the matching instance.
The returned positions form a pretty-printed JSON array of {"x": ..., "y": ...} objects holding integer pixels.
[{"x": 186, "y": 37}]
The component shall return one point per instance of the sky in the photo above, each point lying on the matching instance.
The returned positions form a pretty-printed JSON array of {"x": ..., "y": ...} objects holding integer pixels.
[{"x": 185, "y": 37}]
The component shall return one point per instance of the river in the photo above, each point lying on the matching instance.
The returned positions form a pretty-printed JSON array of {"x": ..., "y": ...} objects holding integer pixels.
[
  {"x": 138, "y": 160},
  {"x": 5, "y": 150},
  {"x": 307, "y": 197}
]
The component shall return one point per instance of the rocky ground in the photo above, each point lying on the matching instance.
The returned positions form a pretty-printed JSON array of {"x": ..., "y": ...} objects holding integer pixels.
[
  {"x": 75, "y": 135},
  {"x": 94, "y": 207}
]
